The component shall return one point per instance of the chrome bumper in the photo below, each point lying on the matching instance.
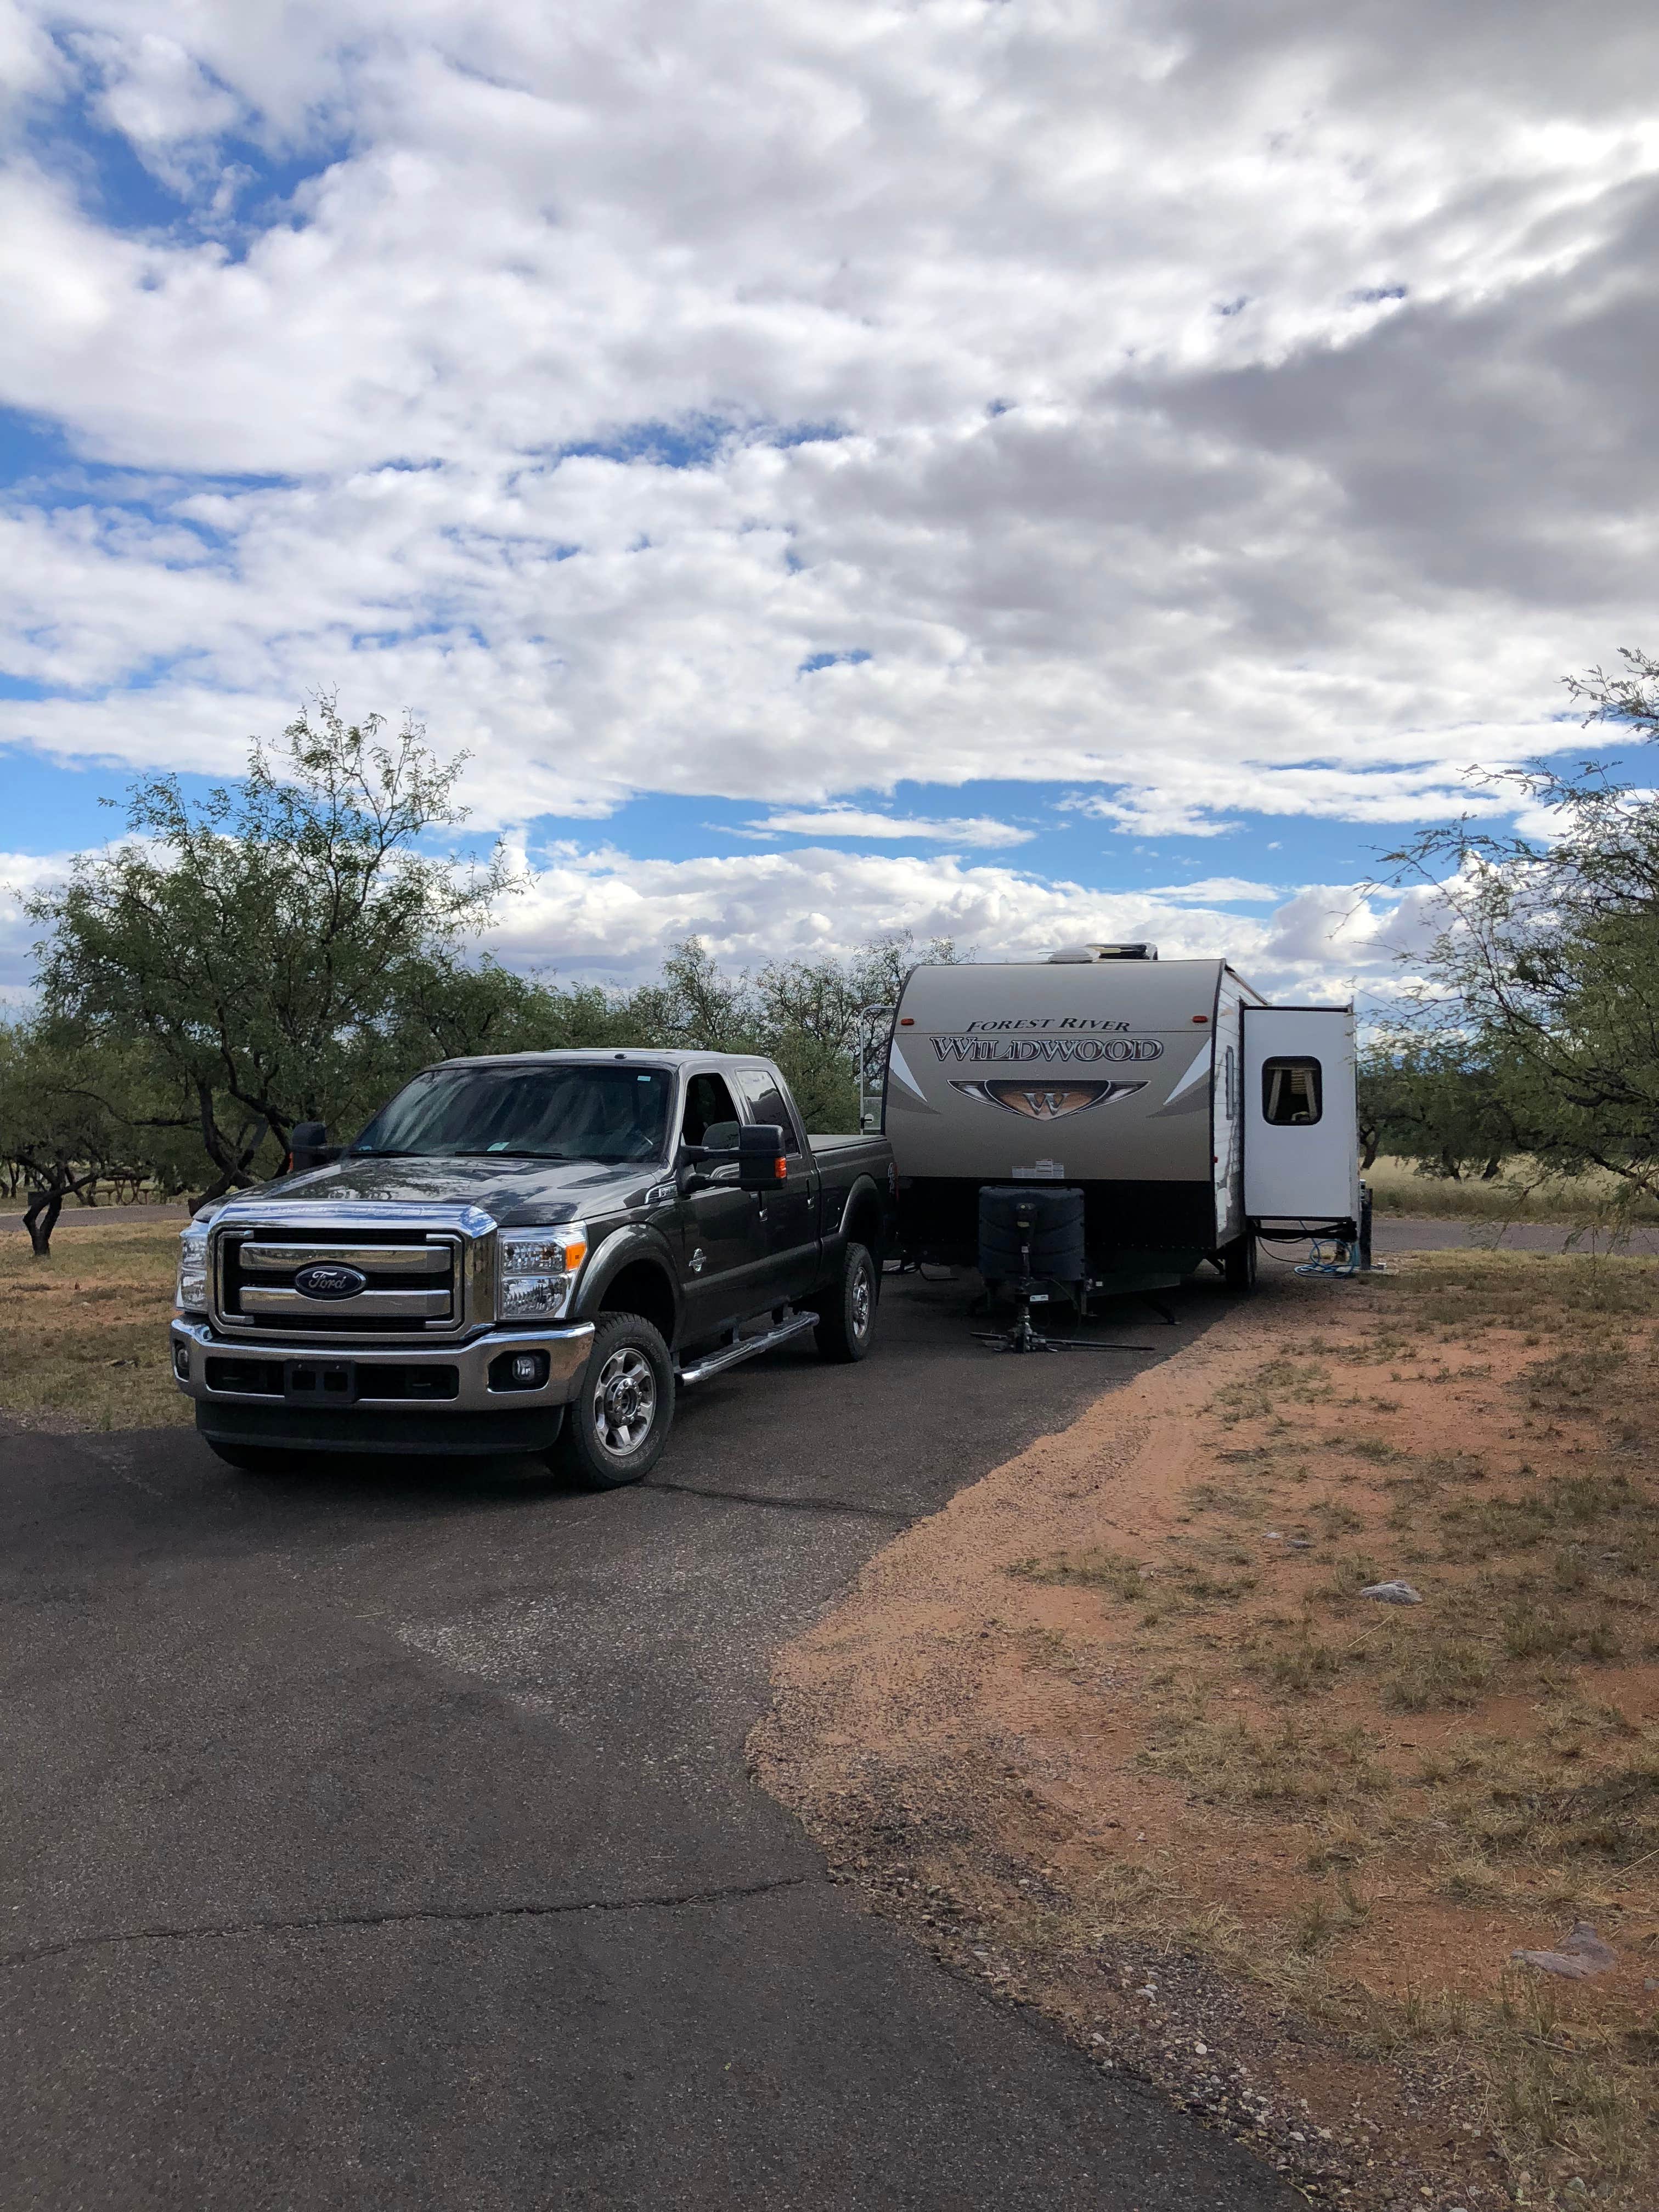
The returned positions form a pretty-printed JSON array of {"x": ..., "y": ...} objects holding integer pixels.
[{"x": 194, "y": 1342}]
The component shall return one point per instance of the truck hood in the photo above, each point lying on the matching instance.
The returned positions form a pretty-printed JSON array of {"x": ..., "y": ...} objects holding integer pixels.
[{"x": 521, "y": 1193}]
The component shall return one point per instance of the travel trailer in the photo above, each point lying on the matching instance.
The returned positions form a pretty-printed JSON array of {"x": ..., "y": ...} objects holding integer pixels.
[{"x": 1193, "y": 1116}]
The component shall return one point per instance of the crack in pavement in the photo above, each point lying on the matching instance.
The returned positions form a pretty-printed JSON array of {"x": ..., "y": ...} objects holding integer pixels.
[
  {"x": 669, "y": 1900},
  {"x": 899, "y": 1518}
]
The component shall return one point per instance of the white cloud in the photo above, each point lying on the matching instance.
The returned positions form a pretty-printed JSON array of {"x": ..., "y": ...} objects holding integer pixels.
[
  {"x": 601, "y": 912},
  {"x": 1225, "y": 889},
  {"x": 978, "y": 829},
  {"x": 23, "y": 876},
  {"x": 1311, "y": 556}
]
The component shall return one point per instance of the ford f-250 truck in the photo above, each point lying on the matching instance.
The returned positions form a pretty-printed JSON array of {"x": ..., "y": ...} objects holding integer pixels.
[{"x": 529, "y": 1254}]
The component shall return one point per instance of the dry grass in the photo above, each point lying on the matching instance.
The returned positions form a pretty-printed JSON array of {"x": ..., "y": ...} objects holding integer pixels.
[
  {"x": 1589, "y": 1201},
  {"x": 1351, "y": 1813},
  {"x": 84, "y": 1334}
]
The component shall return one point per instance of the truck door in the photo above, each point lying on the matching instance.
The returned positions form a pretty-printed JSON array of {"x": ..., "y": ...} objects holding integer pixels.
[
  {"x": 1300, "y": 1114},
  {"x": 723, "y": 1257},
  {"x": 789, "y": 1226}
]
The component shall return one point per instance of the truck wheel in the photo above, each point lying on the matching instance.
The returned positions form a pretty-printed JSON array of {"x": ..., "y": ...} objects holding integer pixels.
[
  {"x": 619, "y": 1418},
  {"x": 846, "y": 1317},
  {"x": 1238, "y": 1265}
]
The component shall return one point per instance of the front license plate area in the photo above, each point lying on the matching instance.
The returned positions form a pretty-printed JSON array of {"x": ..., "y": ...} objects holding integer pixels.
[{"x": 319, "y": 1382}]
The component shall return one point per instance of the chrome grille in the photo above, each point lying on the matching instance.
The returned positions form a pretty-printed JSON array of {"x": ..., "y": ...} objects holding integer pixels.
[{"x": 415, "y": 1277}]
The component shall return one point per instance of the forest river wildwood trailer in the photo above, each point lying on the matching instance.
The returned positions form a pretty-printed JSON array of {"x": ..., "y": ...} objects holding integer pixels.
[{"x": 1192, "y": 1114}]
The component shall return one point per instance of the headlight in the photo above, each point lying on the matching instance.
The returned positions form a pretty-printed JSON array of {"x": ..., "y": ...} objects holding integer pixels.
[
  {"x": 192, "y": 1292},
  {"x": 537, "y": 1270}
]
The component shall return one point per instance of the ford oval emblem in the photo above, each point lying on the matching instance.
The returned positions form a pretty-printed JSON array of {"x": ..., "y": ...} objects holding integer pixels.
[{"x": 329, "y": 1282}]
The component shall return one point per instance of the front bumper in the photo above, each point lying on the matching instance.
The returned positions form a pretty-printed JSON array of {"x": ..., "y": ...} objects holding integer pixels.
[{"x": 433, "y": 1382}]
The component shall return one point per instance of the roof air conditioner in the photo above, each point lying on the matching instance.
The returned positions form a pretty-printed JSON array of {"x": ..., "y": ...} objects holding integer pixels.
[{"x": 1105, "y": 952}]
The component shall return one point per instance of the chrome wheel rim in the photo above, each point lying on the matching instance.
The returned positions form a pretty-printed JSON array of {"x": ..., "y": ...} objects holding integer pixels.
[
  {"x": 624, "y": 1401},
  {"x": 864, "y": 1296}
]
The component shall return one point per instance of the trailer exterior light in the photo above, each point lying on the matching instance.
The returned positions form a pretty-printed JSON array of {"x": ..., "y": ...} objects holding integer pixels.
[{"x": 1200, "y": 1018}]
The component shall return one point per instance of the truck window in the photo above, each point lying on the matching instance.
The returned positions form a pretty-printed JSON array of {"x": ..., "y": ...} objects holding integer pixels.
[
  {"x": 707, "y": 1102},
  {"x": 767, "y": 1103},
  {"x": 1291, "y": 1093},
  {"x": 509, "y": 1110}
]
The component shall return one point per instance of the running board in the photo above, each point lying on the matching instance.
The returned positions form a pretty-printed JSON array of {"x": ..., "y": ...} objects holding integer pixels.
[{"x": 729, "y": 1356}]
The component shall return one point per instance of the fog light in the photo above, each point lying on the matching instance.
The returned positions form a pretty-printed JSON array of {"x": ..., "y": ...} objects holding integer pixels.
[
  {"x": 518, "y": 1370},
  {"x": 181, "y": 1362}
]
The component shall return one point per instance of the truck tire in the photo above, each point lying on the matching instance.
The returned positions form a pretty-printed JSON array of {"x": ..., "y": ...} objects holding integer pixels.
[
  {"x": 1238, "y": 1265},
  {"x": 847, "y": 1314},
  {"x": 618, "y": 1421}
]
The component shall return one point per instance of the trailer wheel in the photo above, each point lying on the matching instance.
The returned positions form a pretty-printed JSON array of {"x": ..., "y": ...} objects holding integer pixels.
[
  {"x": 618, "y": 1421},
  {"x": 847, "y": 1315},
  {"x": 1238, "y": 1265}
]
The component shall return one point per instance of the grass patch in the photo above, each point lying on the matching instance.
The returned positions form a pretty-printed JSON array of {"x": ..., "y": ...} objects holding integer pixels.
[{"x": 84, "y": 1334}]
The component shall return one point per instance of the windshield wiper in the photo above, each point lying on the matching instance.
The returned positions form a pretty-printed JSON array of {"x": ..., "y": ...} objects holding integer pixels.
[{"x": 510, "y": 1152}]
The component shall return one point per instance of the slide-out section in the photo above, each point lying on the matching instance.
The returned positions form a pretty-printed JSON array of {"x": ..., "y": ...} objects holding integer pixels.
[{"x": 1301, "y": 1163}]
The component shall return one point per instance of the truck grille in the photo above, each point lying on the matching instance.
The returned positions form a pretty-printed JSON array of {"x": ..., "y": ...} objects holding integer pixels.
[{"x": 279, "y": 1279}]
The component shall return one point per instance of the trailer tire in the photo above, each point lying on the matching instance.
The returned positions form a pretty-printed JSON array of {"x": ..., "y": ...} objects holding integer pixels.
[
  {"x": 618, "y": 1422},
  {"x": 1238, "y": 1265},
  {"x": 847, "y": 1313}
]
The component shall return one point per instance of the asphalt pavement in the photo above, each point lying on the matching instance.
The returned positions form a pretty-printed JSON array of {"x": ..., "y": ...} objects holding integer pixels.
[{"x": 379, "y": 1834}]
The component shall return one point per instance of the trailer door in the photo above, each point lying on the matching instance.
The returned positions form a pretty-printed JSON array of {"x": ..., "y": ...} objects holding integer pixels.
[{"x": 1300, "y": 1114}]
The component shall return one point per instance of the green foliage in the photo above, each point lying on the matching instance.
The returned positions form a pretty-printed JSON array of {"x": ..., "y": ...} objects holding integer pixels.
[
  {"x": 1422, "y": 1099},
  {"x": 289, "y": 951},
  {"x": 78, "y": 1112},
  {"x": 1542, "y": 985},
  {"x": 263, "y": 944}
]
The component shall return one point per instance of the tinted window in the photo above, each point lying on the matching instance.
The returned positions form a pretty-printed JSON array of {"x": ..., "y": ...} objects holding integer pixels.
[
  {"x": 766, "y": 1104},
  {"x": 1290, "y": 1093},
  {"x": 517, "y": 1111},
  {"x": 708, "y": 1103}
]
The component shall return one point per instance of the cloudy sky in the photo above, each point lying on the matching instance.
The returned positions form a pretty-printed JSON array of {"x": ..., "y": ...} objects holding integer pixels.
[{"x": 1024, "y": 469}]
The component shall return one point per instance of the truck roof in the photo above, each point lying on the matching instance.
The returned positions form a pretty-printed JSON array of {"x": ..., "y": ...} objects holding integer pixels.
[{"x": 658, "y": 1056}]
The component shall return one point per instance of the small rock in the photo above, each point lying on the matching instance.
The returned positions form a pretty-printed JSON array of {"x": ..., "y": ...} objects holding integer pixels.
[
  {"x": 1202, "y": 2049},
  {"x": 1582, "y": 1953},
  {"x": 1392, "y": 1594},
  {"x": 1274, "y": 1537},
  {"x": 1300, "y": 1543}
]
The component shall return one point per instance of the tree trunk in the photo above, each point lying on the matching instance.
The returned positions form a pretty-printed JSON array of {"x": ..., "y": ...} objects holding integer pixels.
[{"x": 44, "y": 1206}]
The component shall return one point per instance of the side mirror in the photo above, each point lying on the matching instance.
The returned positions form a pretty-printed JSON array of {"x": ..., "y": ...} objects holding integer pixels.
[
  {"x": 761, "y": 1163},
  {"x": 308, "y": 1147}
]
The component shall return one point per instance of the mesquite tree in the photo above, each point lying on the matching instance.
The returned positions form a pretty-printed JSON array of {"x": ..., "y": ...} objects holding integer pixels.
[
  {"x": 1544, "y": 980},
  {"x": 261, "y": 941}
]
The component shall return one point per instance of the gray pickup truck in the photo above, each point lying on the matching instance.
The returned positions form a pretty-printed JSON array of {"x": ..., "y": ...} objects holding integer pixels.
[{"x": 529, "y": 1254}]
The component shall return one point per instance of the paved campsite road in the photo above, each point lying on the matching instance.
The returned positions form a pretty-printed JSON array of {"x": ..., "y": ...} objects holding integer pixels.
[{"x": 380, "y": 1835}]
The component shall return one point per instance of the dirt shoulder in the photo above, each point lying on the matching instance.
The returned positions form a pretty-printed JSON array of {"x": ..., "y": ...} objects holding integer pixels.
[
  {"x": 83, "y": 1333},
  {"x": 1118, "y": 1733}
]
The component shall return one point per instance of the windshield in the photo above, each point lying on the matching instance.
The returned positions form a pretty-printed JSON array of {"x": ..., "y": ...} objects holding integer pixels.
[{"x": 551, "y": 1112}]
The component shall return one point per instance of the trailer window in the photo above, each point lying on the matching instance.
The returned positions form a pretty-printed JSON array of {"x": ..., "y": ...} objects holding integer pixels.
[{"x": 1291, "y": 1093}]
